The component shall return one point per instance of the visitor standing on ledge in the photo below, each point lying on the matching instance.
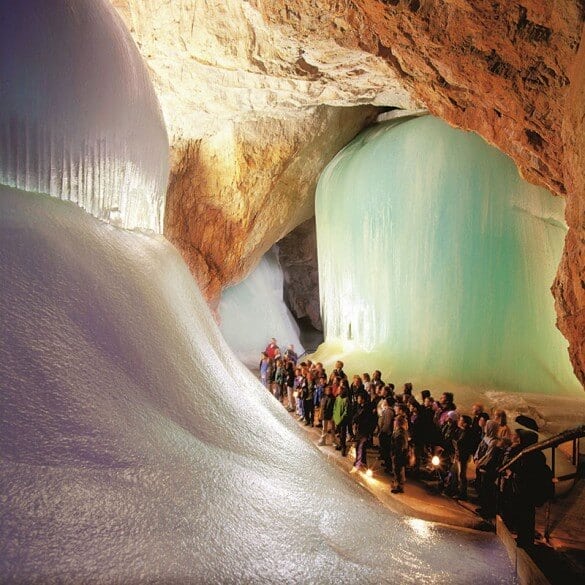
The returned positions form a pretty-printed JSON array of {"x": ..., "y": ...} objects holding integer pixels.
[
  {"x": 364, "y": 423},
  {"x": 291, "y": 355},
  {"x": 327, "y": 403},
  {"x": 399, "y": 446},
  {"x": 265, "y": 370},
  {"x": 272, "y": 349},
  {"x": 341, "y": 419}
]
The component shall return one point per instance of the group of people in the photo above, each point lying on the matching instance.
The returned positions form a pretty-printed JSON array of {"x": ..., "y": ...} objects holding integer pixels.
[{"x": 410, "y": 433}]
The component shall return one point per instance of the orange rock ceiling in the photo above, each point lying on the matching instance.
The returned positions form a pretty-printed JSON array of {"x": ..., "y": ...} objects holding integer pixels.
[{"x": 514, "y": 72}]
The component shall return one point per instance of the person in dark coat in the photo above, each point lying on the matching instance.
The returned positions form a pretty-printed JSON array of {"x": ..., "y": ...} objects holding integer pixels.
[
  {"x": 399, "y": 448},
  {"x": 327, "y": 403},
  {"x": 364, "y": 423},
  {"x": 519, "y": 481},
  {"x": 464, "y": 447}
]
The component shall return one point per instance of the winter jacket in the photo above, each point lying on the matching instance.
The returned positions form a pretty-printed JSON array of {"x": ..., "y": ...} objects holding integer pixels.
[
  {"x": 327, "y": 404},
  {"x": 340, "y": 411},
  {"x": 364, "y": 421}
]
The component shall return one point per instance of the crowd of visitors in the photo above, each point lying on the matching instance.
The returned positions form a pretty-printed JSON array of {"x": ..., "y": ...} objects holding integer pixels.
[{"x": 415, "y": 435}]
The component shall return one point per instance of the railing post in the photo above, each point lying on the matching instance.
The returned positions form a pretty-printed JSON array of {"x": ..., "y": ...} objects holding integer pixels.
[{"x": 553, "y": 461}]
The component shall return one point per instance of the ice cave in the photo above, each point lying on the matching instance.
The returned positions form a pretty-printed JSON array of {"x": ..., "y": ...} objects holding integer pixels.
[{"x": 155, "y": 160}]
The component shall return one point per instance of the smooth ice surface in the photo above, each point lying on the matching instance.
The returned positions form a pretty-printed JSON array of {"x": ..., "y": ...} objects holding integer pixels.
[
  {"x": 253, "y": 311},
  {"x": 436, "y": 260},
  {"x": 79, "y": 118},
  {"x": 136, "y": 448}
]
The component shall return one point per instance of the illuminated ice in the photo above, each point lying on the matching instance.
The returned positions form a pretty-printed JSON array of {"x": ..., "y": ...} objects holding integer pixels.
[
  {"x": 136, "y": 448},
  {"x": 436, "y": 260},
  {"x": 253, "y": 311},
  {"x": 79, "y": 118}
]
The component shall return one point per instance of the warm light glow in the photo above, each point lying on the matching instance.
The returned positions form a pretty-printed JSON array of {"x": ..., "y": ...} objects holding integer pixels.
[
  {"x": 421, "y": 527},
  {"x": 436, "y": 461},
  {"x": 369, "y": 473}
]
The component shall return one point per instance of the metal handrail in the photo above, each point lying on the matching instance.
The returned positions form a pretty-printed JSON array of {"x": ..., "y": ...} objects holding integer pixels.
[
  {"x": 564, "y": 437},
  {"x": 569, "y": 435}
]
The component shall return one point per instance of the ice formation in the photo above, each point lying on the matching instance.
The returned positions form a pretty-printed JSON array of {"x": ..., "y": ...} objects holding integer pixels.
[
  {"x": 436, "y": 260},
  {"x": 136, "y": 448},
  {"x": 253, "y": 311},
  {"x": 79, "y": 118}
]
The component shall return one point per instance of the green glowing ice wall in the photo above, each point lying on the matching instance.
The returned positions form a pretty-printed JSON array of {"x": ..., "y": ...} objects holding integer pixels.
[{"x": 437, "y": 258}]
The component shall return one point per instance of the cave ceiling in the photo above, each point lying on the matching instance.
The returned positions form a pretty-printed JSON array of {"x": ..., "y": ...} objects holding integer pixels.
[{"x": 258, "y": 96}]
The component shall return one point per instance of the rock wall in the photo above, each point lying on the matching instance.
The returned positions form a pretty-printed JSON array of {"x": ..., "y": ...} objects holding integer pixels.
[
  {"x": 297, "y": 253},
  {"x": 233, "y": 194},
  {"x": 253, "y": 115},
  {"x": 510, "y": 71},
  {"x": 242, "y": 85},
  {"x": 569, "y": 286}
]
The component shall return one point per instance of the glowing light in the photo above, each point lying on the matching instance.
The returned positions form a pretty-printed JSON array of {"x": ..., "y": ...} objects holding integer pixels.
[
  {"x": 436, "y": 461},
  {"x": 369, "y": 473},
  {"x": 421, "y": 527}
]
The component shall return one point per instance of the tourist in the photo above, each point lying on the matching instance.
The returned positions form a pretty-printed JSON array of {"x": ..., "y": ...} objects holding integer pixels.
[
  {"x": 486, "y": 470},
  {"x": 449, "y": 431},
  {"x": 366, "y": 381},
  {"x": 265, "y": 368},
  {"x": 327, "y": 404},
  {"x": 341, "y": 419},
  {"x": 272, "y": 349},
  {"x": 399, "y": 450},
  {"x": 519, "y": 480},
  {"x": 299, "y": 384},
  {"x": 364, "y": 423},
  {"x": 464, "y": 447},
  {"x": 504, "y": 431},
  {"x": 291, "y": 355},
  {"x": 385, "y": 427},
  {"x": 309, "y": 399},
  {"x": 290, "y": 382},
  {"x": 319, "y": 387},
  {"x": 279, "y": 378}
]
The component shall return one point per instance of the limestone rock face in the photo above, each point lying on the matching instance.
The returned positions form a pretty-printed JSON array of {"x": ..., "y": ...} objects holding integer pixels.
[
  {"x": 233, "y": 194},
  {"x": 569, "y": 286},
  {"x": 249, "y": 91},
  {"x": 297, "y": 253},
  {"x": 253, "y": 116},
  {"x": 501, "y": 69}
]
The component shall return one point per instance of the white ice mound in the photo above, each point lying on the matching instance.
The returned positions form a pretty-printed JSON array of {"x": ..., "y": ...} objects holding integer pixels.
[
  {"x": 134, "y": 448},
  {"x": 253, "y": 311},
  {"x": 79, "y": 118}
]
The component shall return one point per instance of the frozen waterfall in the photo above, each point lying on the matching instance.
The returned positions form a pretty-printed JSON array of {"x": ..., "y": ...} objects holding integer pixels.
[
  {"x": 79, "y": 118},
  {"x": 253, "y": 311},
  {"x": 436, "y": 260},
  {"x": 134, "y": 446}
]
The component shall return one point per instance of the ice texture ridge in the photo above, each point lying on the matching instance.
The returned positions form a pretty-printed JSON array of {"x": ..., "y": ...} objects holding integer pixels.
[
  {"x": 436, "y": 260},
  {"x": 79, "y": 119}
]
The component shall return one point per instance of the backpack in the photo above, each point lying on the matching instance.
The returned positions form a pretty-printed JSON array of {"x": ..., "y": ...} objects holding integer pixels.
[{"x": 543, "y": 489}]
